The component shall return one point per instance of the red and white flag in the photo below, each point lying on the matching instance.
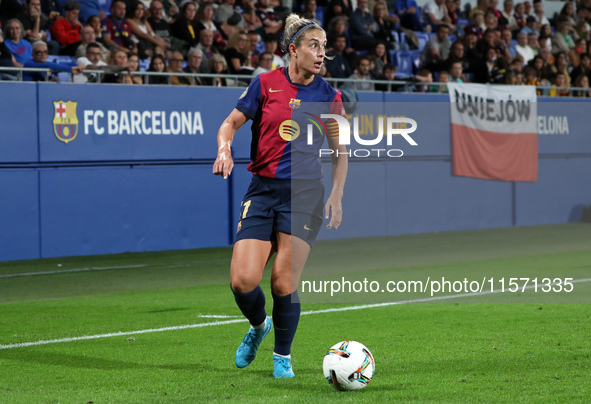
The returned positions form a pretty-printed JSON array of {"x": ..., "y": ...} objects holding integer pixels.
[{"x": 494, "y": 131}]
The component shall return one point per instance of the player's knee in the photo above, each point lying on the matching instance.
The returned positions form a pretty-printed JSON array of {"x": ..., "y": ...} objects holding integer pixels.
[
  {"x": 244, "y": 284},
  {"x": 282, "y": 287}
]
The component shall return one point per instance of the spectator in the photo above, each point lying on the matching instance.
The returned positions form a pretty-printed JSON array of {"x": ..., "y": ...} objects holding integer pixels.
[
  {"x": 538, "y": 13},
  {"x": 425, "y": 77},
  {"x": 218, "y": 65},
  {"x": 362, "y": 27},
  {"x": 250, "y": 16},
  {"x": 171, "y": 10},
  {"x": 35, "y": 23},
  {"x": 561, "y": 66},
  {"x": 339, "y": 66},
  {"x": 527, "y": 8},
  {"x": 66, "y": 30},
  {"x": 194, "y": 59},
  {"x": 567, "y": 13},
  {"x": 532, "y": 41},
  {"x": 175, "y": 65},
  {"x": 582, "y": 14},
  {"x": 116, "y": 30},
  {"x": 490, "y": 62},
  {"x": 531, "y": 26},
  {"x": 338, "y": 26},
  {"x": 520, "y": 15},
  {"x": 186, "y": 27},
  {"x": 453, "y": 11},
  {"x": 120, "y": 60},
  {"x": 267, "y": 16},
  {"x": 531, "y": 78},
  {"x": 477, "y": 24},
  {"x": 436, "y": 14},
  {"x": 584, "y": 67},
  {"x": 443, "y": 77},
  {"x": 338, "y": 8},
  {"x": 6, "y": 60},
  {"x": 408, "y": 12},
  {"x": 582, "y": 30},
  {"x": 270, "y": 41},
  {"x": 523, "y": 48},
  {"x": 362, "y": 74},
  {"x": 558, "y": 88},
  {"x": 388, "y": 74},
  {"x": 157, "y": 65},
  {"x": 563, "y": 41},
  {"x": 481, "y": 8},
  {"x": 92, "y": 60},
  {"x": 39, "y": 60},
  {"x": 95, "y": 23},
  {"x": 237, "y": 55},
  {"x": 309, "y": 11},
  {"x": 380, "y": 59},
  {"x": 582, "y": 81},
  {"x": 517, "y": 78},
  {"x": 253, "y": 45},
  {"x": 227, "y": 13},
  {"x": 436, "y": 50},
  {"x": 20, "y": 48},
  {"x": 491, "y": 21},
  {"x": 205, "y": 45},
  {"x": 508, "y": 16},
  {"x": 146, "y": 40},
  {"x": 133, "y": 62},
  {"x": 87, "y": 37},
  {"x": 161, "y": 27},
  {"x": 455, "y": 73},
  {"x": 542, "y": 69},
  {"x": 205, "y": 20},
  {"x": 265, "y": 63},
  {"x": 386, "y": 24}
]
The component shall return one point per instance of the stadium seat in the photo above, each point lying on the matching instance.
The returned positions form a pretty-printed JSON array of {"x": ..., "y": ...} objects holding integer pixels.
[
  {"x": 144, "y": 64},
  {"x": 423, "y": 39},
  {"x": 403, "y": 60},
  {"x": 66, "y": 60},
  {"x": 395, "y": 36},
  {"x": 452, "y": 38}
]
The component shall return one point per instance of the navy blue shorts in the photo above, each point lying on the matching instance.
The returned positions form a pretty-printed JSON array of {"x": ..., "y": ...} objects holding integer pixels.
[{"x": 290, "y": 206}]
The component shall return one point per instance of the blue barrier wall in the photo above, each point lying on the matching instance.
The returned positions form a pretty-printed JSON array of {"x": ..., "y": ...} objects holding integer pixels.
[{"x": 137, "y": 174}]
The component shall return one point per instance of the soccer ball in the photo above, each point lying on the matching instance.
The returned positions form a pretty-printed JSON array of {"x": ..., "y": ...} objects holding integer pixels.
[{"x": 348, "y": 365}]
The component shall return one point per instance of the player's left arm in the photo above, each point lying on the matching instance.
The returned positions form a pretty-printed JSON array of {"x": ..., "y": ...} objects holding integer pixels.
[{"x": 339, "y": 167}]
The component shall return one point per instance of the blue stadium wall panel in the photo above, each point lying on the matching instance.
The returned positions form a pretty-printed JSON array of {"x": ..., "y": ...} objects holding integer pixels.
[
  {"x": 562, "y": 190},
  {"x": 423, "y": 196},
  {"x": 18, "y": 122},
  {"x": 102, "y": 210},
  {"x": 102, "y": 169},
  {"x": 19, "y": 214}
]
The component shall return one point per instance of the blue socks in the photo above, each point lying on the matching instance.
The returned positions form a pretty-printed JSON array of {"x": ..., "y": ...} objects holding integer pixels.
[
  {"x": 252, "y": 305},
  {"x": 286, "y": 315}
]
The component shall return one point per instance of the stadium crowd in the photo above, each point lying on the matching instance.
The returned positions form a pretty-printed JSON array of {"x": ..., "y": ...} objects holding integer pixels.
[{"x": 444, "y": 41}]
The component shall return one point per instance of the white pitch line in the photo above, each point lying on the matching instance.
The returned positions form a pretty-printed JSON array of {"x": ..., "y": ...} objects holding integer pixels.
[
  {"x": 217, "y": 316},
  {"x": 214, "y": 323},
  {"x": 65, "y": 271}
]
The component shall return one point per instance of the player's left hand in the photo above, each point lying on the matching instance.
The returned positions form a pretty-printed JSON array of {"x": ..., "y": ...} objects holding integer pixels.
[{"x": 333, "y": 211}]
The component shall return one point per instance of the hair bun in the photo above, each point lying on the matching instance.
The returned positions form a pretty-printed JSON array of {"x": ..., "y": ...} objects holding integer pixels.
[{"x": 291, "y": 19}]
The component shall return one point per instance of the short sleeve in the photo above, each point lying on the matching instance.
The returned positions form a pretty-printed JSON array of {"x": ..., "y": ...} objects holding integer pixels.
[
  {"x": 249, "y": 101},
  {"x": 337, "y": 107}
]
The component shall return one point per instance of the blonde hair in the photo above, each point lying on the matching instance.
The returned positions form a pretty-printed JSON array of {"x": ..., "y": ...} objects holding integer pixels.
[{"x": 295, "y": 29}]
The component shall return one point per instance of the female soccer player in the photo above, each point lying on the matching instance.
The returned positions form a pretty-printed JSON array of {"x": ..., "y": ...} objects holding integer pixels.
[{"x": 282, "y": 209}]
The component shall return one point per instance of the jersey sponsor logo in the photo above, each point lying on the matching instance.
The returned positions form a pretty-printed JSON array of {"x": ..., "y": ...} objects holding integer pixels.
[
  {"x": 294, "y": 103},
  {"x": 289, "y": 130},
  {"x": 274, "y": 91},
  {"x": 65, "y": 120}
]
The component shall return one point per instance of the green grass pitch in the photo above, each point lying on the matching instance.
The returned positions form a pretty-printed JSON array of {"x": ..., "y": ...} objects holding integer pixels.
[{"x": 527, "y": 346}]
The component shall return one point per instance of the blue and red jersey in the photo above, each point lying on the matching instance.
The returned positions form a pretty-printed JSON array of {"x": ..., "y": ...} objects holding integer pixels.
[{"x": 281, "y": 112}]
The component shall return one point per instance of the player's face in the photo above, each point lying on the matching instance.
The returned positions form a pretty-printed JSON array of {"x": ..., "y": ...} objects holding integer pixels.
[{"x": 310, "y": 54}]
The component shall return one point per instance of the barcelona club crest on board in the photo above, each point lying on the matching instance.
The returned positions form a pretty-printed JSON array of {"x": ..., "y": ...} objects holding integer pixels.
[
  {"x": 294, "y": 103},
  {"x": 65, "y": 120}
]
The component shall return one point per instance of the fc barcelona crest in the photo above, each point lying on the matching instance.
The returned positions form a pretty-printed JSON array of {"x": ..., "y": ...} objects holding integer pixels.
[
  {"x": 294, "y": 103},
  {"x": 65, "y": 120}
]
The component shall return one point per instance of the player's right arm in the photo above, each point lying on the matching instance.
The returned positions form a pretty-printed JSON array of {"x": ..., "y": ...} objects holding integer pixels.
[{"x": 224, "y": 163}]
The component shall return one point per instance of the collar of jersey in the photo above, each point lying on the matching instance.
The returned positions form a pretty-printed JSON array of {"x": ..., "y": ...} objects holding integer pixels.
[{"x": 286, "y": 72}]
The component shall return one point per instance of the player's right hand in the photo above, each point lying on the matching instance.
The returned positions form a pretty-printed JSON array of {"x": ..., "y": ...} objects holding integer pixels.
[{"x": 223, "y": 164}]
